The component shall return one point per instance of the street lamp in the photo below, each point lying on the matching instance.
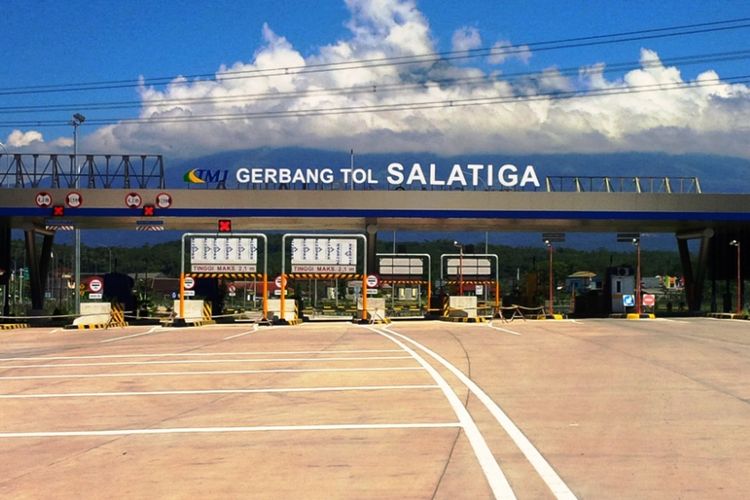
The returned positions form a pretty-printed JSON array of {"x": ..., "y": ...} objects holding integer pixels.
[
  {"x": 77, "y": 121},
  {"x": 736, "y": 243},
  {"x": 460, "y": 267},
  {"x": 7, "y": 155},
  {"x": 548, "y": 244},
  {"x": 637, "y": 242}
]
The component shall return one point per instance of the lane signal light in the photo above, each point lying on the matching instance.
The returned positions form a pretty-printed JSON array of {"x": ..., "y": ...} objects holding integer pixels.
[
  {"x": 148, "y": 210},
  {"x": 58, "y": 211},
  {"x": 225, "y": 226}
]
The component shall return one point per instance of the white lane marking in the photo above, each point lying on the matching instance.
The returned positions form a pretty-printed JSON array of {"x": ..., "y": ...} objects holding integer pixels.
[
  {"x": 255, "y": 329},
  {"x": 55, "y": 330},
  {"x": 543, "y": 468},
  {"x": 152, "y": 330},
  {"x": 216, "y": 372},
  {"x": 198, "y": 361},
  {"x": 502, "y": 329},
  {"x": 258, "y": 428},
  {"x": 178, "y": 354},
  {"x": 216, "y": 391},
  {"x": 492, "y": 472},
  {"x": 671, "y": 320}
]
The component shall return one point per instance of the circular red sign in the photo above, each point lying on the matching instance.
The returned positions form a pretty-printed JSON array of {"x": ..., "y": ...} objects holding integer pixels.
[
  {"x": 372, "y": 281},
  {"x": 133, "y": 200},
  {"x": 649, "y": 300},
  {"x": 277, "y": 282},
  {"x": 74, "y": 199},
  {"x": 43, "y": 199},
  {"x": 95, "y": 285},
  {"x": 163, "y": 200},
  {"x": 189, "y": 283}
]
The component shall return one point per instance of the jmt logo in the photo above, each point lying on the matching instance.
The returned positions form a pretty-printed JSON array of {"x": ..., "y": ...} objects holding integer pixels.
[{"x": 202, "y": 176}]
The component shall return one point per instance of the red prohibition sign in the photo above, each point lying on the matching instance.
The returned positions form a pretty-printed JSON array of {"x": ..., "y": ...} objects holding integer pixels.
[
  {"x": 74, "y": 199},
  {"x": 163, "y": 200},
  {"x": 43, "y": 199},
  {"x": 133, "y": 200}
]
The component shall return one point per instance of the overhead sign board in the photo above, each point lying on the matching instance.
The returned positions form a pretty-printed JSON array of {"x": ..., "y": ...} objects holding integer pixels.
[
  {"x": 469, "y": 266},
  {"x": 324, "y": 255},
  {"x": 228, "y": 254},
  {"x": 399, "y": 266}
]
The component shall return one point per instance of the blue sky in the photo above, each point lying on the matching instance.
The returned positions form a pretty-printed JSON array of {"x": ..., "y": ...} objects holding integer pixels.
[{"x": 50, "y": 42}]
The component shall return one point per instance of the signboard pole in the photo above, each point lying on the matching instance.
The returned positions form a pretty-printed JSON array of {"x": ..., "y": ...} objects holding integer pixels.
[
  {"x": 283, "y": 295},
  {"x": 265, "y": 296},
  {"x": 182, "y": 294},
  {"x": 364, "y": 293}
]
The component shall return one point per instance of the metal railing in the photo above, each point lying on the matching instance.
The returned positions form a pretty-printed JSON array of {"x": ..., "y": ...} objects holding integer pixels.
[
  {"x": 605, "y": 184},
  {"x": 95, "y": 171}
]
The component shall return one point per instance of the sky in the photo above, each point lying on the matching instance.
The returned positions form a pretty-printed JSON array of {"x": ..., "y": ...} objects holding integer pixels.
[{"x": 290, "y": 73}]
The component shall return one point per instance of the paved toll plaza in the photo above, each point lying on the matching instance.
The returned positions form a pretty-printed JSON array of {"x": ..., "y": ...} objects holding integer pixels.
[{"x": 532, "y": 409}]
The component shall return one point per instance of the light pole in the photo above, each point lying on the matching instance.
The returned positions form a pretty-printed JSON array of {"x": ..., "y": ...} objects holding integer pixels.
[
  {"x": 6, "y": 290},
  {"x": 548, "y": 244},
  {"x": 460, "y": 267},
  {"x": 637, "y": 243},
  {"x": 7, "y": 155},
  {"x": 77, "y": 121},
  {"x": 736, "y": 243}
]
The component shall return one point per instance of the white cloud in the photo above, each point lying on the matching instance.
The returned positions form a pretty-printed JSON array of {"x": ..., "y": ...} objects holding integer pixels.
[
  {"x": 703, "y": 117},
  {"x": 19, "y": 139},
  {"x": 466, "y": 38},
  {"x": 504, "y": 50}
]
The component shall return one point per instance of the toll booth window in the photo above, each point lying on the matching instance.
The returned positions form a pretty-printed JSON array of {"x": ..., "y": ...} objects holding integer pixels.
[{"x": 619, "y": 286}]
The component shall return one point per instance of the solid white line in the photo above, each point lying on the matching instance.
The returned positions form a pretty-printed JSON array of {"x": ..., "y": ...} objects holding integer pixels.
[
  {"x": 198, "y": 361},
  {"x": 502, "y": 329},
  {"x": 543, "y": 468},
  {"x": 132, "y": 336},
  {"x": 218, "y": 372},
  {"x": 255, "y": 329},
  {"x": 259, "y": 428},
  {"x": 215, "y": 391},
  {"x": 492, "y": 472},
  {"x": 160, "y": 355}
]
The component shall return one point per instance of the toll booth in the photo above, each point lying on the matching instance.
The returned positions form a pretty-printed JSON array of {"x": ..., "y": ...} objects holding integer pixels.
[
  {"x": 216, "y": 264},
  {"x": 325, "y": 295},
  {"x": 406, "y": 281},
  {"x": 335, "y": 257},
  {"x": 471, "y": 275},
  {"x": 619, "y": 285}
]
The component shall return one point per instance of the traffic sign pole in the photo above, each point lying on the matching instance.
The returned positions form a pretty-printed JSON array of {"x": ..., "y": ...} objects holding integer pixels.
[
  {"x": 265, "y": 297},
  {"x": 182, "y": 295}
]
